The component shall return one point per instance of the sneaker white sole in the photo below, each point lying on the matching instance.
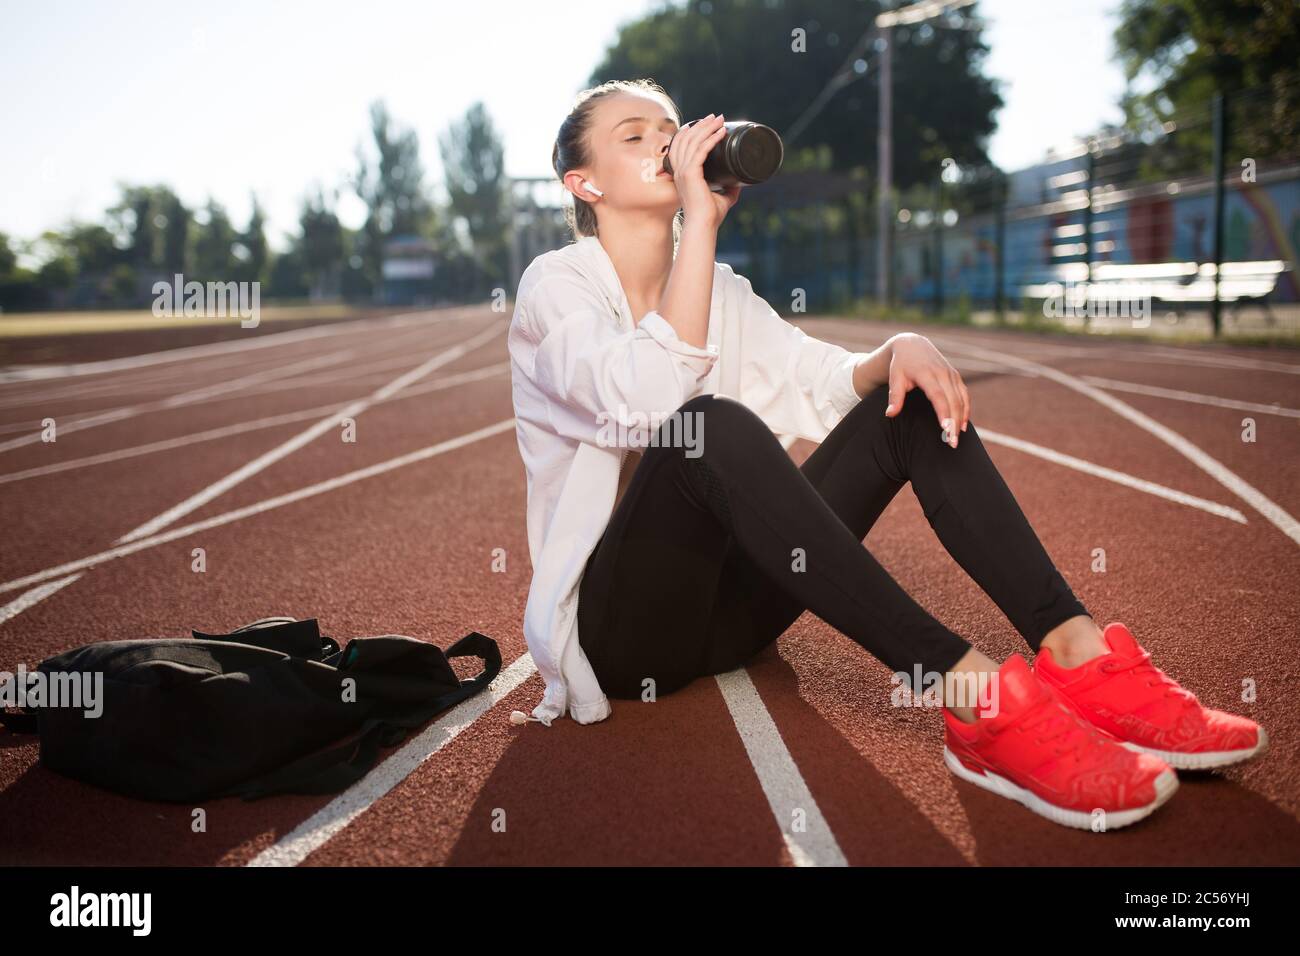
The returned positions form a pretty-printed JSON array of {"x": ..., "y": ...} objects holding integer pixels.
[
  {"x": 1203, "y": 761},
  {"x": 1166, "y": 785}
]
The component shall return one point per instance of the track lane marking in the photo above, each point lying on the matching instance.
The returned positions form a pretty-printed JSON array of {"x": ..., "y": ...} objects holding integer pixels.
[
  {"x": 29, "y": 373},
  {"x": 351, "y": 410},
  {"x": 778, "y": 774},
  {"x": 1274, "y": 513},
  {"x": 319, "y": 828},
  {"x": 1110, "y": 474},
  {"x": 168, "y": 381},
  {"x": 212, "y": 392},
  {"x": 239, "y": 428},
  {"x": 33, "y": 597},
  {"x": 1178, "y": 395},
  {"x": 260, "y": 507}
]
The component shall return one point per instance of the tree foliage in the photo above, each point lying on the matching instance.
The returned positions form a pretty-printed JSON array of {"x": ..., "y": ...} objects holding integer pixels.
[
  {"x": 768, "y": 60},
  {"x": 1177, "y": 53}
]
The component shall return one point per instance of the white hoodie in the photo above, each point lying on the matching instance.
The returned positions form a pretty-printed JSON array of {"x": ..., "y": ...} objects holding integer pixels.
[{"x": 579, "y": 365}]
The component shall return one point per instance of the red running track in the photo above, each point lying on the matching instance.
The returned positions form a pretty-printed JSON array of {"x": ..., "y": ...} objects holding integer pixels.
[{"x": 1202, "y": 563}]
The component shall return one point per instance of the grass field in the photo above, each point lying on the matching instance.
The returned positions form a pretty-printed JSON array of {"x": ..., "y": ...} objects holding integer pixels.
[{"x": 26, "y": 324}]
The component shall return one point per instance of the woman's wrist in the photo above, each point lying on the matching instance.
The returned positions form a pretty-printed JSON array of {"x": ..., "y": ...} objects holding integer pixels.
[
  {"x": 873, "y": 371},
  {"x": 699, "y": 226},
  {"x": 688, "y": 295}
]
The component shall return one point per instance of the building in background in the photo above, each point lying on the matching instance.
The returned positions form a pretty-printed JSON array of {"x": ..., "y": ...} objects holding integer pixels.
[{"x": 408, "y": 272}]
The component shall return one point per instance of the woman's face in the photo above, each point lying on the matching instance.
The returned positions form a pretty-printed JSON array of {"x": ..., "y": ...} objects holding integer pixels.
[{"x": 629, "y": 140}]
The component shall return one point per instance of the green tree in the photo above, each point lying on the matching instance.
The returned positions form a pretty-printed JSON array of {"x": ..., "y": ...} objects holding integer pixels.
[
  {"x": 474, "y": 175},
  {"x": 286, "y": 275},
  {"x": 19, "y": 291},
  {"x": 175, "y": 230},
  {"x": 1182, "y": 51},
  {"x": 91, "y": 246},
  {"x": 152, "y": 224},
  {"x": 214, "y": 244},
  {"x": 253, "y": 265},
  {"x": 391, "y": 184},
  {"x": 58, "y": 271},
  {"x": 122, "y": 284},
  {"x": 743, "y": 59},
  {"x": 321, "y": 246},
  {"x": 8, "y": 260}
]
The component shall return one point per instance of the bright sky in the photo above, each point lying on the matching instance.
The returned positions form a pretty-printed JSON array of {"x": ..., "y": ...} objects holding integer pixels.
[{"x": 241, "y": 96}]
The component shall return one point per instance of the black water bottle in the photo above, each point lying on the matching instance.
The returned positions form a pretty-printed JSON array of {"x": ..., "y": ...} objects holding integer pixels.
[{"x": 749, "y": 153}]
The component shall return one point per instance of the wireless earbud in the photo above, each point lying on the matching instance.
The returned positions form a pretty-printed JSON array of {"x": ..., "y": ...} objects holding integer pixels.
[{"x": 591, "y": 188}]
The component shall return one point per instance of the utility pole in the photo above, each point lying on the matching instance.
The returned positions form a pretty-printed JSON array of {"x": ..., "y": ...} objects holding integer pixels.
[
  {"x": 885, "y": 161},
  {"x": 915, "y": 13},
  {"x": 1220, "y": 139}
]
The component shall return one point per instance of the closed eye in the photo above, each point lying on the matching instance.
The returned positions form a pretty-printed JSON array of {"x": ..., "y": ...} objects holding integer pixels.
[{"x": 628, "y": 140}]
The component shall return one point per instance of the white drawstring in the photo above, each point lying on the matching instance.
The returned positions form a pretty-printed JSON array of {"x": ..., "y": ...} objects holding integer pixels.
[{"x": 519, "y": 717}]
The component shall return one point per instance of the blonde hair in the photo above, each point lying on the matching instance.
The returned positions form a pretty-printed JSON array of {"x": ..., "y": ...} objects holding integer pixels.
[{"x": 572, "y": 148}]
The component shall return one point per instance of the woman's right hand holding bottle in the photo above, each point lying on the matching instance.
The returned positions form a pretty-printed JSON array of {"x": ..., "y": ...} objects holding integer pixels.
[{"x": 687, "y": 152}]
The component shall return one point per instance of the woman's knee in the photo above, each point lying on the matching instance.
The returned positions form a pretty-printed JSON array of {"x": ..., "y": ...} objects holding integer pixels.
[
  {"x": 875, "y": 401},
  {"x": 917, "y": 410},
  {"x": 726, "y": 418},
  {"x": 916, "y": 406},
  {"x": 717, "y": 405}
]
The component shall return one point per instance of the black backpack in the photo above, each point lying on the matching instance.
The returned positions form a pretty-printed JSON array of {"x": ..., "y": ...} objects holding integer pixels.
[{"x": 246, "y": 713}]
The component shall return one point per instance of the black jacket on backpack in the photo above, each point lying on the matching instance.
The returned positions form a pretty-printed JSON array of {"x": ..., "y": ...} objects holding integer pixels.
[{"x": 246, "y": 713}]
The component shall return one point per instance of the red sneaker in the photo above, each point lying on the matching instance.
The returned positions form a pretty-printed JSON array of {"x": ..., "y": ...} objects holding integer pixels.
[
  {"x": 1131, "y": 699},
  {"x": 1035, "y": 750}
]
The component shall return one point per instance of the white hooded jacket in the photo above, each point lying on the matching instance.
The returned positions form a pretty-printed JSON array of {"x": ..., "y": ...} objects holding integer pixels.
[{"x": 579, "y": 366}]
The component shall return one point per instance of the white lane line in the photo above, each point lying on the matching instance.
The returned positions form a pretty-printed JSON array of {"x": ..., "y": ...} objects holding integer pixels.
[
  {"x": 1110, "y": 474},
  {"x": 126, "y": 384},
  {"x": 204, "y": 394},
  {"x": 852, "y": 342},
  {"x": 1137, "y": 352},
  {"x": 275, "y": 379},
  {"x": 975, "y": 365},
  {"x": 170, "y": 379},
  {"x": 787, "y": 792},
  {"x": 314, "y": 832},
  {"x": 262, "y": 377},
  {"x": 260, "y": 507},
  {"x": 1130, "y": 352},
  {"x": 1165, "y": 353},
  {"x": 35, "y": 596},
  {"x": 28, "y": 373},
  {"x": 1181, "y": 396},
  {"x": 226, "y": 431},
  {"x": 26, "y": 426},
  {"x": 351, "y": 410},
  {"x": 1272, "y": 511}
]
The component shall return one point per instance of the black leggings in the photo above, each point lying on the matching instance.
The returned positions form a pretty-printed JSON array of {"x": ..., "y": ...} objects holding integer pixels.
[{"x": 709, "y": 557}]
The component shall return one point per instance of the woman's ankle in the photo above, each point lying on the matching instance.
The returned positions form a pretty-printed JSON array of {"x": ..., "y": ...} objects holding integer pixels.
[
  {"x": 965, "y": 686},
  {"x": 1075, "y": 641}
]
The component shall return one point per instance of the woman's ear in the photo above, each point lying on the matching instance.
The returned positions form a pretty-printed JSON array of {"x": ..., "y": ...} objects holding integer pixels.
[{"x": 581, "y": 186}]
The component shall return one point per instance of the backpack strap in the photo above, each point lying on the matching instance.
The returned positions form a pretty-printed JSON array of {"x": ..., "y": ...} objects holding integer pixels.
[
  {"x": 485, "y": 649},
  {"x": 284, "y": 634}
]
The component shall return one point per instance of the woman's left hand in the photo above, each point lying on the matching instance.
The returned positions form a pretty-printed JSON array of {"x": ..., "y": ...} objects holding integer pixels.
[{"x": 916, "y": 362}]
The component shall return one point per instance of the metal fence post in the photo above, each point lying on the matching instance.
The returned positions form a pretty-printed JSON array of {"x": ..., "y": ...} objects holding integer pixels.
[
  {"x": 1087, "y": 230},
  {"x": 938, "y": 250},
  {"x": 999, "y": 241},
  {"x": 885, "y": 160},
  {"x": 1220, "y": 133}
]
